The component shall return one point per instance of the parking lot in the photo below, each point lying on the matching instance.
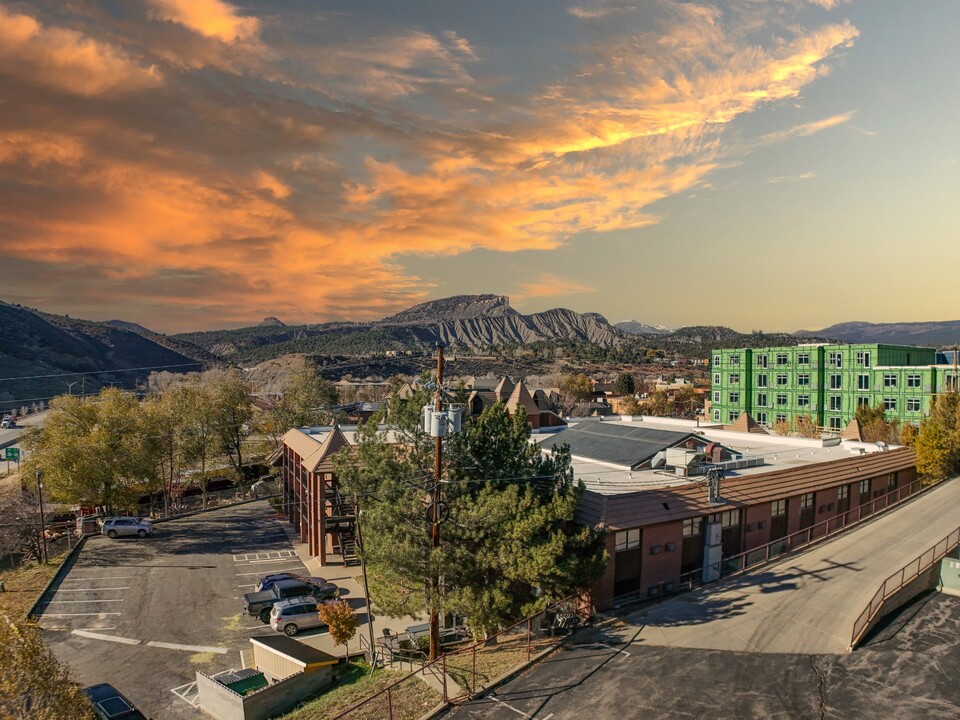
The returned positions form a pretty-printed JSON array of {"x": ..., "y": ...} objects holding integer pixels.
[{"x": 145, "y": 614}]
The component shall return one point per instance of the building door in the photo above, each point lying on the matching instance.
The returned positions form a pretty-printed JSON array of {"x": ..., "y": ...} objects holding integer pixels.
[
  {"x": 808, "y": 510},
  {"x": 843, "y": 499},
  {"x": 626, "y": 578},
  {"x": 692, "y": 554},
  {"x": 778, "y": 519}
]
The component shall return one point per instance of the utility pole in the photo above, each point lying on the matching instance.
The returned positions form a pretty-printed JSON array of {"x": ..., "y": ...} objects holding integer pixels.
[
  {"x": 366, "y": 588},
  {"x": 43, "y": 530},
  {"x": 435, "y": 530}
]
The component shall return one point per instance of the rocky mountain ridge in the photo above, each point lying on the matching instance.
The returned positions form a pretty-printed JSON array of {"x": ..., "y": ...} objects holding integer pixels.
[{"x": 938, "y": 333}]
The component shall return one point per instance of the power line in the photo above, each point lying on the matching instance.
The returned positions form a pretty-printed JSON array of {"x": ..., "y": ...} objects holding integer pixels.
[{"x": 97, "y": 372}]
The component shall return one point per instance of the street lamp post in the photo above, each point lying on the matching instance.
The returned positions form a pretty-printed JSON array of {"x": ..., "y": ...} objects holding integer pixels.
[
  {"x": 43, "y": 533},
  {"x": 70, "y": 386}
]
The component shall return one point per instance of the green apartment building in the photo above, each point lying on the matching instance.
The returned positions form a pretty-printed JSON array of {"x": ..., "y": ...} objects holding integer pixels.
[{"x": 826, "y": 383}]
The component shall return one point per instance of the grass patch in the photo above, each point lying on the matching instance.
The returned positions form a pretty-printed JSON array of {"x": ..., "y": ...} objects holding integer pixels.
[
  {"x": 409, "y": 700},
  {"x": 24, "y": 585}
]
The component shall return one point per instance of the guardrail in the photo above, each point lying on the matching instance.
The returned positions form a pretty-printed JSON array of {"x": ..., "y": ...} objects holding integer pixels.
[
  {"x": 899, "y": 580},
  {"x": 751, "y": 559}
]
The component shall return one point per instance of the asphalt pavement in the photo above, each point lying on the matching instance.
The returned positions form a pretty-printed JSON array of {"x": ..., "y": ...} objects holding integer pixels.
[
  {"x": 145, "y": 615},
  {"x": 808, "y": 602},
  {"x": 907, "y": 671}
]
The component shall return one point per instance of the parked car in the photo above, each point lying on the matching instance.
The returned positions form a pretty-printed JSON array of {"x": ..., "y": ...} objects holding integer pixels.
[
  {"x": 110, "y": 704},
  {"x": 259, "y": 604},
  {"x": 267, "y": 580},
  {"x": 115, "y": 527},
  {"x": 295, "y": 614}
]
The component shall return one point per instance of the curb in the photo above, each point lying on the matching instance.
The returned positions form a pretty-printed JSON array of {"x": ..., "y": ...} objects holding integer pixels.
[{"x": 64, "y": 568}]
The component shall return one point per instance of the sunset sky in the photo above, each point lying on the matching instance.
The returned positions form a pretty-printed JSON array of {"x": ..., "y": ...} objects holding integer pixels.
[{"x": 199, "y": 164}]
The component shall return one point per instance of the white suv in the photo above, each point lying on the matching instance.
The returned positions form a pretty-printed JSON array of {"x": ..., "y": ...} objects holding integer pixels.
[{"x": 114, "y": 527}]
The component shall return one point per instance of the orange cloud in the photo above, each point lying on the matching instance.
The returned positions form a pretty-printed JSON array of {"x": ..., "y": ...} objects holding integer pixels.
[
  {"x": 549, "y": 285},
  {"x": 67, "y": 60},
  {"x": 296, "y": 187},
  {"x": 210, "y": 18}
]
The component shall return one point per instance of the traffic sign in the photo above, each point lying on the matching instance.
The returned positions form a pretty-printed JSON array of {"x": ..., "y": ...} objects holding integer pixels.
[{"x": 12, "y": 453}]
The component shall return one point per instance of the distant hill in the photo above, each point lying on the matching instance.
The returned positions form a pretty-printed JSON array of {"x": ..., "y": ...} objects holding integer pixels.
[
  {"x": 271, "y": 322},
  {"x": 945, "y": 332},
  {"x": 465, "y": 322},
  {"x": 635, "y": 327},
  {"x": 41, "y": 351},
  {"x": 131, "y": 326}
]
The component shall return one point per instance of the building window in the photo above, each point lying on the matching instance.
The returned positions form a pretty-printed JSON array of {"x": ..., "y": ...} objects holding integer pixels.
[
  {"x": 782, "y": 358},
  {"x": 716, "y": 396},
  {"x": 892, "y": 480},
  {"x": 889, "y": 403},
  {"x": 803, "y": 358},
  {"x": 779, "y": 418},
  {"x": 716, "y": 378},
  {"x": 732, "y": 416},
  {"x": 864, "y": 487},
  {"x": 716, "y": 416},
  {"x": 863, "y": 382},
  {"x": 843, "y": 492},
  {"x": 778, "y": 508},
  {"x": 734, "y": 359},
  {"x": 863, "y": 359},
  {"x": 836, "y": 402},
  {"x": 761, "y": 361},
  {"x": 734, "y": 398},
  {"x": 836, "y": 381},
  {"x": 781, "y": 399},
  {"x": 782, "y": 379},
  {"x": 734, "y": 378},
  {"x": 762, "y": 418},
  {"x": 761, "y": 400},
  {"x": 913, "y": 381},
  {"x": 807, "y": 500},
  {"x": 889, "y": 380},
  {"x": 803, "y": 400},
  {"x": 803, "y": 379},
  {"x": 913, "y": 404},
  {"x": 691, "y": 527},
  {"x": 716, "y": 360},
  {"x": 836, "y": 423},
  {"x": 863, "y": 401},
  {"x": 762, "y": 380},
  {"x": 728, "y": 519},
  {"x": 835, "y": 359},
  {"x": 627, "y": 539}
]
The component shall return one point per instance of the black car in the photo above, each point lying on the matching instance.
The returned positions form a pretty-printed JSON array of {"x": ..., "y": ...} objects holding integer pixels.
[{"x": 110, "y": 704}]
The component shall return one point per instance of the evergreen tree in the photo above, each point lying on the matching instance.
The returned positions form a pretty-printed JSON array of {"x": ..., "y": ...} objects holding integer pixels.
[
  {"x": 625, "y": 384},
  {"x": 509, "y": 545}
]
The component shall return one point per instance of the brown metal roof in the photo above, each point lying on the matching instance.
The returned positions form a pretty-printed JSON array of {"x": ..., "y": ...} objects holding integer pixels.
[{"x": 650, "y": 507}]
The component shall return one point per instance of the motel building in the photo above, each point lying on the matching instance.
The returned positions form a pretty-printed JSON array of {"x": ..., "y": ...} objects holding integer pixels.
[
  {"x": 681, "y": 504},
  {"x": 648, "y": 485}
]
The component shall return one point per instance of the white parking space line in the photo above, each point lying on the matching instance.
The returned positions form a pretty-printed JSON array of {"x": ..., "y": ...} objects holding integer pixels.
[
  {"x": 89, "y": 589},
  {"x": 520, "y": 712},
  {"x": 253, "y": 585},
  {"x": 271, "y": 554},
  {"x": 46, "y": 615},
  {"x": 260, "y": 572},
  {"x": 262, "y": 562},
  {"x": 188, "y": 648},
  {"x": 115, "y": 577},
  {"x": 108, "y": 638},
  {"x": 82, "y": 601}
]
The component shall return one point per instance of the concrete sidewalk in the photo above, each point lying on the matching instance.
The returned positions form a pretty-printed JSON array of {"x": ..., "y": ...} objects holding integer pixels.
[{"x": 808, "y": 602}]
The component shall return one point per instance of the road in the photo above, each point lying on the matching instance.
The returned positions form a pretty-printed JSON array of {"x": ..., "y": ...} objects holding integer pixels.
[
  {"x": 144, "y": 615},
  {"x": 11, "y": 436},
  {"x": 908, "y": 672},
  {"x": 808, "y": 602}
]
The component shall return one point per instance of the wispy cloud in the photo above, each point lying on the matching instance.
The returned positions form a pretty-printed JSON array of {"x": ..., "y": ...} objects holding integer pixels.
[
  {"x": 549, "y": 285},
  {"x": 210, "y": 18},
  {"x": 792, "y": 178}
]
